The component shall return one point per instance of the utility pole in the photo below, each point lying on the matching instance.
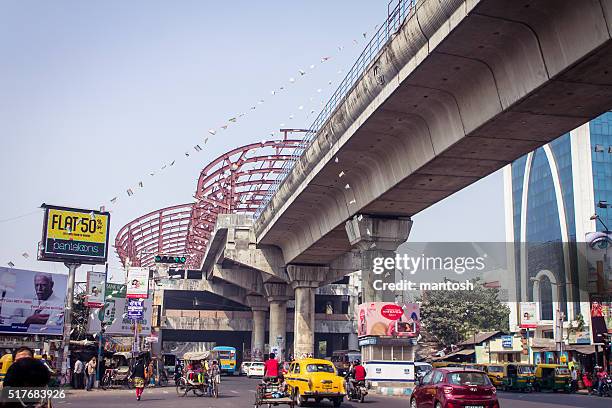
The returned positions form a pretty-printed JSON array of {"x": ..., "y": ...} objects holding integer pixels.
[
  {"x": 72, "y": 267},
  {"x": 101, "y": 335}
]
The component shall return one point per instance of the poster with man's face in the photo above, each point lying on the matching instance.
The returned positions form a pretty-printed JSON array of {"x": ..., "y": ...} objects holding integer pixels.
[{"x": 32, "y": 302}]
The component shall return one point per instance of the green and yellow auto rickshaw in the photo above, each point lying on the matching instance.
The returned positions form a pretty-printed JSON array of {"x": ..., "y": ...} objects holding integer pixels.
[
  {"x": 553, "y": 377},
  {"x": 518, "y": 377}
]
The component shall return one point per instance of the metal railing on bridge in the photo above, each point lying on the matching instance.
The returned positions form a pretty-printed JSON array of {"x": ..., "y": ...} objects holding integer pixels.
[{"x": 397, "y": 12}]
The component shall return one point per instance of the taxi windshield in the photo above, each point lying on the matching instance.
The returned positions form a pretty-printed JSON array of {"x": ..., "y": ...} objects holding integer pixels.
[
  {"x": 319, "y": 368},
  {"x": 525, "y": 370},
  {"x": 496, "y": 369}
]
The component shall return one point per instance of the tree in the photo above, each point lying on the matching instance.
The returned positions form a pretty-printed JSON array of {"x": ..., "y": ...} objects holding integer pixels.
[
  {"x": 454, "y": 316},
  {"x": 79, "y": 316}
]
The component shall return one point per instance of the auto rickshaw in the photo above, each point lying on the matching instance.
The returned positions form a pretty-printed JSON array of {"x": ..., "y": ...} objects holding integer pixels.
[
  {"x": 518, "y": 377},
  {"x": 553, "y": 377},
  {"x": 495, "y": 372}
]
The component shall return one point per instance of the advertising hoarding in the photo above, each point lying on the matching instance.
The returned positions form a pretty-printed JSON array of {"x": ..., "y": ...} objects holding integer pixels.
[
  {"x": 601, "y": 319},
  {"x": 138, "y": 283},
  {"x": 115, "y": 314},
  {"x": 528, "y": 316},
  {"x": 75, "y": 235},
  {"x": 32, "y": 302},
  {"x": 95, "y": 289},
  {"x": 389, "y": 319}
]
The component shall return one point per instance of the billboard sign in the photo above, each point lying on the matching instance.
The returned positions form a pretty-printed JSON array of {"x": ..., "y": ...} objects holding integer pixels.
[
  {"x": 527, "y": 315},
  {"x": 138, "y": 283},
  {"x": 135, "y": 309},
  {"x": 601, "y": 319},
  {"x": 75, "y": 235},
  {"x": 389, "y": 319},
  {"x": 95, "y": 289},
  {"x": 32, "y": 302},
  {"x": 115, "y": 315}
]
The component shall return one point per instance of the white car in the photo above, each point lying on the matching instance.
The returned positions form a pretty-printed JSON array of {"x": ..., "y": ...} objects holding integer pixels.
[
  {"x": 256, "y": 369},
  {"x": 244, "y": 367}
]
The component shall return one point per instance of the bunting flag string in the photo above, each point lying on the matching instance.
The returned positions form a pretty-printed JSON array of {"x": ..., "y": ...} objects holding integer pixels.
[{"x": 306, "y": 110}]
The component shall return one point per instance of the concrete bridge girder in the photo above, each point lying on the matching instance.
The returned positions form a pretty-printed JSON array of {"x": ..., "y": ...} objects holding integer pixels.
[
  {"x": 227, "y": 290},
  {"x": 461, "y": 90},
  {"x": 248, "y": 279}
]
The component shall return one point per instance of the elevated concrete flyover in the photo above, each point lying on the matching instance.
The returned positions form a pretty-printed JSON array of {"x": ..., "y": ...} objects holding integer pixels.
[{"x": 460, "y": 90}]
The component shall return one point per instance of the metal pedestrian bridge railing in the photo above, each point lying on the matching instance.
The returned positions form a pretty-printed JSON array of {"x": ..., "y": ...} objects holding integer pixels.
[{"x": 397, "y": 12}]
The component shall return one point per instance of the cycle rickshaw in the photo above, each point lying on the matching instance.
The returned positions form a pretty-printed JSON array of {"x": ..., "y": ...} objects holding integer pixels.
[{"x": 196, "y": 379}]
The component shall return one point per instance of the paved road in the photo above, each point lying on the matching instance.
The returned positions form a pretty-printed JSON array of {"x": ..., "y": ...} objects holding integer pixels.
[{"x": 239, "y": 393}]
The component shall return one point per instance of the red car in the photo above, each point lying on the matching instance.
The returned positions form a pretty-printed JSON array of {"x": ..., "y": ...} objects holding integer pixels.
[{"x": 454, "y": 388}]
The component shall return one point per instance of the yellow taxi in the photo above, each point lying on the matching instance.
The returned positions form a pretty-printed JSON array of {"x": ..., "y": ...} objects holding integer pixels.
[{"x": 315, "y": 379}]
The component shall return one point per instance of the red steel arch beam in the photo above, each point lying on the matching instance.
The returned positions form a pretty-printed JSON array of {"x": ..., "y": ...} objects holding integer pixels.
[{"x": 235, "y": 182}]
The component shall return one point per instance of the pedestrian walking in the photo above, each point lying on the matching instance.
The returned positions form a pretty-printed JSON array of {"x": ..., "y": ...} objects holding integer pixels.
[
  {"x": 79, "y": 368},
  {"x": 90, "y": 370},
  {"x": 138, "y": 376},
  {"x": 150, "y": 375},
  {"x": 574, "y": 374}
]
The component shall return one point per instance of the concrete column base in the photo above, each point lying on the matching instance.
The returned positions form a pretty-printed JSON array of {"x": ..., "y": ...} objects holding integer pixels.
[
  {"x": 304, "y": 280},
  {"x": 259, "y": 306}
]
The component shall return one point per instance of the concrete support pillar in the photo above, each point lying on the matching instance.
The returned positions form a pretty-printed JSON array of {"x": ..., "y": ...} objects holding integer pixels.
[
  {"x": 377, "y": 238},
  {"x": 304, "y": 280},
  {"x": 278, "y": 327},
  {"x": 278, "y": 294},
  {"x": 304, "y": 321},
  {"x": 353, "y": 341},
  {"x": 259, "y": 306}
]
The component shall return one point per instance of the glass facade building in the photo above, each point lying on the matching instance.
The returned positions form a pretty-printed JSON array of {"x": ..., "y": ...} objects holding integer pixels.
[{"x": 550, "y": 197}]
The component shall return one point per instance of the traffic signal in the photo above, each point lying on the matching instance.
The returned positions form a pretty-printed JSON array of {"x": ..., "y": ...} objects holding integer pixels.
[{"x": 170, "y": 259}]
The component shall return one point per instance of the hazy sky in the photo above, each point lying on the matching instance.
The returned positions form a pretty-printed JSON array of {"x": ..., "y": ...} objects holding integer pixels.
[{"x": 95, "y": 95}]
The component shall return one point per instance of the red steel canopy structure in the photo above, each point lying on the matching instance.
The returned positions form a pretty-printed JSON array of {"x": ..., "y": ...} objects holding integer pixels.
[{"x": 235, "y": 182}]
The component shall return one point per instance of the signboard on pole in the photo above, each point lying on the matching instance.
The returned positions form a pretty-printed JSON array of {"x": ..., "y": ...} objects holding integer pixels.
[
  {"x": 95, "y": 289},
  {"x": 506, "y": 341},
  {"x": 115, "y": 314},
  {"x": 135, "y": 309},
  {"x": 527, "y": 315},
  {"x": 32, "y": 302},
  {"x": 74, "y": 235},
  {"x": 138, "y": 283}
]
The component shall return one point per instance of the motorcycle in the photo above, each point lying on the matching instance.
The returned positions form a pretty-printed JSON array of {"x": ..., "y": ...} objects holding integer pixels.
[
  {"x": 606, "y": 390},
  {"x": 356, "y": 390}
]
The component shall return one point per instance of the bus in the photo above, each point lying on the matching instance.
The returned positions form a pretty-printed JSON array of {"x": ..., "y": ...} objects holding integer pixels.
[{"x": 226, "y": 356}]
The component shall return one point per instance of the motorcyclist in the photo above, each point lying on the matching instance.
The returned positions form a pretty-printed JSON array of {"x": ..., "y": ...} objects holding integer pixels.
[
  {"x": 359, "y": 373},
  {"x": 602, "y": 375}
]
